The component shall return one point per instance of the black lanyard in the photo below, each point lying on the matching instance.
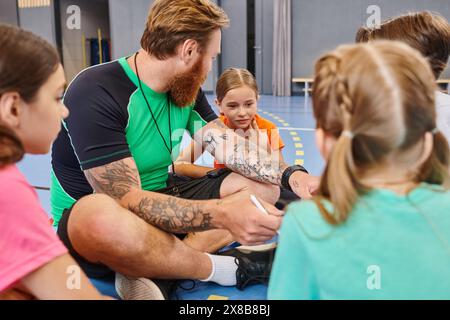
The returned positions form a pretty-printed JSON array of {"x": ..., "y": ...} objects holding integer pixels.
[{"x": 175, "y": 188}]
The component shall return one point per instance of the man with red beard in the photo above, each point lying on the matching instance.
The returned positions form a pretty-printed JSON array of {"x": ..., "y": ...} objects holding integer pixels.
[{"x": 112, "y": 202}]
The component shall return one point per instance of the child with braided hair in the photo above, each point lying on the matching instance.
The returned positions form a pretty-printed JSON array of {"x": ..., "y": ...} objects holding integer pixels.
[{"x": 379, "y": 227}]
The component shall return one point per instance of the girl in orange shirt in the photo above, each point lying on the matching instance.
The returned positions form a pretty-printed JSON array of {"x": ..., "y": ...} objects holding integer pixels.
[{"x": 237, "y": 99}]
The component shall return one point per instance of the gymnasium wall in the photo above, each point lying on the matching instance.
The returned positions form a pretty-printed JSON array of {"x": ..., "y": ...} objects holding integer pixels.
[
  {"x": 8, "y": 12},
  {"x": 94, "y": 15},
  {"x": 39, "y": 20},
  {"x": 321, "y": 25},
  {"x": 127, "y": 25}
]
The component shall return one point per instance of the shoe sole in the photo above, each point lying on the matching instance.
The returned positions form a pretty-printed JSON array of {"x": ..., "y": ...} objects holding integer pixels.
[
  {"x": 260, "y": 248},
  {"x": 137, "y": 289}
]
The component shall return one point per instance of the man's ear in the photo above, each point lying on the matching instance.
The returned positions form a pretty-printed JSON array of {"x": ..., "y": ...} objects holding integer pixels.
[
  {"x": 189, "y": 51},
  {"x": 10, "y": 109}
]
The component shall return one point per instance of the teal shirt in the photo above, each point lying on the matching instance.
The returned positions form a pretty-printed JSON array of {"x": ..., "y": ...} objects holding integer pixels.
[{"x": 391, "y": 247}]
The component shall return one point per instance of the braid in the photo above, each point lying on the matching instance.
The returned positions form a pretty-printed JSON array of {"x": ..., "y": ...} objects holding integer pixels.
[
  {"x": 339, "y": 183},
  {"x": 331, "y": 85}
]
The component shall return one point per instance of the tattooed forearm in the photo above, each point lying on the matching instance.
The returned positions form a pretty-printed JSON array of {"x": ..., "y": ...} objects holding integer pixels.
[
  {"x": 254, "y": 163},
  {"x": 172, "y": 214},
  {"x": 241, "y": 155},
  {"x": 115, "y": 179},
  {"x": 121, "y": 181}
]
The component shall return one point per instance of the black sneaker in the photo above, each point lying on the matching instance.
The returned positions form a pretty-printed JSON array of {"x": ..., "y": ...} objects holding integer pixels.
[{"x": 254, "y": 264}]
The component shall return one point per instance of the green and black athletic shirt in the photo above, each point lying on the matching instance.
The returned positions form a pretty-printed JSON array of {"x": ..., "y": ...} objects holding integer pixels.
[{"x": 109, "y": 121}]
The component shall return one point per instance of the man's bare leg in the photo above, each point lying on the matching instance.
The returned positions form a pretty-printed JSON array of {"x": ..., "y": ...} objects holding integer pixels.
[{"x": 213, "y": 240}]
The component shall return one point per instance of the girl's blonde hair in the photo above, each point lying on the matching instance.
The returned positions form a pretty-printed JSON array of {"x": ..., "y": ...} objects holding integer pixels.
[
  {"x": 234, "y": 78},
  {"x": 378, "y": 100}
]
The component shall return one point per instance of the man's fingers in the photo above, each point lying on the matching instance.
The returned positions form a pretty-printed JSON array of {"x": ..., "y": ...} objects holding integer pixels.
[
  {"x": 271, "y": 210},
  {"x": 270, "y": 222}
]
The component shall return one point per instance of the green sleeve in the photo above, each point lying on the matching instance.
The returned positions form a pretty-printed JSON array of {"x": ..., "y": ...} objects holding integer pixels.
[
  {"x": 195, "y": 123},
  {"x": 201, "y": 114}
]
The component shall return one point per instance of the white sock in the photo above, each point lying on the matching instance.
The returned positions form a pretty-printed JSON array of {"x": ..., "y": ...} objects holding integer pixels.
[{"x": 223, "y": 270}]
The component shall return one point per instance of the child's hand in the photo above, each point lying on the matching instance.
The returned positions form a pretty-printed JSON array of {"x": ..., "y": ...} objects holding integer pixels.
[
  {"x": 304, "y": 185},
  {"x": 254, "y": 125},
  {"x": 254, "y": 132}
]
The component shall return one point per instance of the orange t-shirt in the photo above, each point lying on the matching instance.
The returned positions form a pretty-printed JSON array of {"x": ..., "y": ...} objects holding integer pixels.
[{"x": 263, "y": 124}]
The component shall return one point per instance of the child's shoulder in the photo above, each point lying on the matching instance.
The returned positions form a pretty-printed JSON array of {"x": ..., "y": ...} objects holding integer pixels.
[
  {"x": 432, "y": 195},
  {"x": 264, "y": 123},
  {"x": 12, "y": 181},
  {"x": 10, "y": 174}
]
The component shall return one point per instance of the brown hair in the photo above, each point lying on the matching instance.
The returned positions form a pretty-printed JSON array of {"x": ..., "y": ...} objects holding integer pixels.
[
  {"x": 377, "y": 99},
  {"x": 425, "y": 31},
  {"x": 171, "y": 22},
  {"x": 26, "y": 63},
  {"x": 234, "y": 78}
]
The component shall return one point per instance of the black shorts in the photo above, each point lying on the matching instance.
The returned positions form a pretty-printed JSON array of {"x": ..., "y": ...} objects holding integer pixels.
[{"x": 204, "y": 188}]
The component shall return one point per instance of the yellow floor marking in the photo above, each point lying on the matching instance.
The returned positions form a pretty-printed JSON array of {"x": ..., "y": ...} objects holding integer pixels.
[{"x": 214, "y": 297}]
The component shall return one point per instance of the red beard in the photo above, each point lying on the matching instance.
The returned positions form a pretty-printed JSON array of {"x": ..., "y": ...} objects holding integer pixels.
[{"x": 184, "y": 87}]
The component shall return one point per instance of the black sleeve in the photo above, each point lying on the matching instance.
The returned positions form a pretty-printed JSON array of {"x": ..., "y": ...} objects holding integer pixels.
[
  {"x": 97, "y": 120},
  {"x": 201, "y": 114}
]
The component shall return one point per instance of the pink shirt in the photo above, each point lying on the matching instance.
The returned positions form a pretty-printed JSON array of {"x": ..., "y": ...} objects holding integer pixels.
[{"x": 27, "y": 241}]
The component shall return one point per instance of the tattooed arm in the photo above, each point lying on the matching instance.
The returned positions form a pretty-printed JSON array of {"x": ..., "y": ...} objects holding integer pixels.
[
  {"x": 251, "y": 160},
  {"x": 120, "y": 180},
  {"x": 240, "y": 154},
  {"x": 184, "y": 165}
]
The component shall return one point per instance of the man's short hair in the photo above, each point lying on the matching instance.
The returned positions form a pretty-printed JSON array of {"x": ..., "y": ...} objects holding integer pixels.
[{"x": 171, "y": 22}]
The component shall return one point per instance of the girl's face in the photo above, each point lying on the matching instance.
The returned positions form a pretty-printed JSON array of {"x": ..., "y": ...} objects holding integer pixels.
[
  {"x": 239, "y": 106},
  {"x": 39, "y": 122}
]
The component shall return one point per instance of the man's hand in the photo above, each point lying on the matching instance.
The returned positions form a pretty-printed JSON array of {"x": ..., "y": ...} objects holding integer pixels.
[
  {"x": 303, "y": 184},
  {"x": 246, "y": 222}
]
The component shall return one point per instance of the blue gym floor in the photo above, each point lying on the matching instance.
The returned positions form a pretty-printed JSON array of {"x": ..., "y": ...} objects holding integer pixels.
[{"x": 294, "y": 118}]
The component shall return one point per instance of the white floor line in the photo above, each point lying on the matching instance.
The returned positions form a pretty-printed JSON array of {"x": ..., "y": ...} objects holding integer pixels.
[{"x": 296, "y": 129}]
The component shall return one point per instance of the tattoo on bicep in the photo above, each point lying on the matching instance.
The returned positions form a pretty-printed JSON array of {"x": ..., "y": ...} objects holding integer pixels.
[
  {"x": 172, "y": 214},
  {"x": 115, "y": 180},
  {"x": 212, "y": 141}
]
